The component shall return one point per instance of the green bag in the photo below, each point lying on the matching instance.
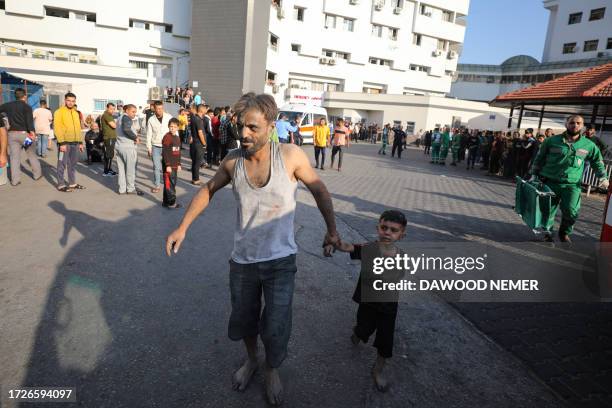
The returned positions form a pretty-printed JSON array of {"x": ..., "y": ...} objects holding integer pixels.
[{"x": 533, "y": 202}]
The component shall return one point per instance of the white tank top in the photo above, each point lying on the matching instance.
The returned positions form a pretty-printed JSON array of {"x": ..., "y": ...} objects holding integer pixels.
[{"x": 264, "y": 223}]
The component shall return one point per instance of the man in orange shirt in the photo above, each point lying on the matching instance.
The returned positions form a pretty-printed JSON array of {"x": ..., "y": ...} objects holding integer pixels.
[{"x": 340, "y": 140}]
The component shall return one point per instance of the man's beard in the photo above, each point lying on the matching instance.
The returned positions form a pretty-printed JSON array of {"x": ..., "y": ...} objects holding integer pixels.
[{"x": 573, "y": 133}]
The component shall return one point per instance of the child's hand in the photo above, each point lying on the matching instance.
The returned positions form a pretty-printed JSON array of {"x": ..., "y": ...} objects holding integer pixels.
[
  {"x": 178, "y": 168},
  {"x": 168, "y": 169},
  {"x": 328, "y": 250}
]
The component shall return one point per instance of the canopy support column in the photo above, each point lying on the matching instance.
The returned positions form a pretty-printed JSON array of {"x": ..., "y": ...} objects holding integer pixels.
[
  {"x": 510, "y": 117},
  {"x": 520, "y": 119},
  {"x": 540, "y": 121}
]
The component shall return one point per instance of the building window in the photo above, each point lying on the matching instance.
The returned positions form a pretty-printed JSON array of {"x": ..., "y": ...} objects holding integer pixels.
[
  {"x": 147, "y": 25},
  {"x": 270, "y": 78},
  {"x": 139, "y": 24},
  {"x": 273, "y": 42},
  {"x": 85, "y": 16},
  {"x": 349, "y": 24},
  {"x": 372, "y": 90},
  {"x": 447, "y": 16},
  {"x": 100, "y": 104},
  {"x": 442, "y": 44},
  {"x": 380, "y": 61},
  {"x": 393, "y": 33},
  {"x": 597, "y": 14},
  {"x": 425, "y": 10},
  {"x": 419, "y": 68},
  {"x": 298, "y": 13},
  {"x": 335, "y": 54},
  {"x": 377, "y": 30},
  {"x": 590, "y": 45},
  {"x": 410, "y": 128},
  {"x": 296, "y": 47},
  {"x": 609, "y": 45},
  {"x": 139, "y": 64},
  {"x": 416, "y": 39},
  {"x": 575, "y": 18},
  {"x": 2, "y": 5},
  {"x": 569, "y": 48},
  {"x": 54, "y": 12}
]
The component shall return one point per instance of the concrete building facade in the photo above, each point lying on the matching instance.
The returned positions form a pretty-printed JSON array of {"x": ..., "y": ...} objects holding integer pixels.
[
  {"x": 100, "y": 50},
  {"x": 297, "y": 50}
]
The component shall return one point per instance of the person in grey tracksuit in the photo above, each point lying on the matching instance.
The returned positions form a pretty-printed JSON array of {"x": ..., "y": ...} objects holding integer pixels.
[{"x": 126, "y": 149}]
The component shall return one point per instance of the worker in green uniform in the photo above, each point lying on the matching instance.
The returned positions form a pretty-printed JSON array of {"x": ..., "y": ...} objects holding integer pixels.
[
  {"x": 444, "y": 146},
  {"x": 436, "y": 142},
  {"x": 560, "y": 164},
  {"x": 455, "y": 146}
]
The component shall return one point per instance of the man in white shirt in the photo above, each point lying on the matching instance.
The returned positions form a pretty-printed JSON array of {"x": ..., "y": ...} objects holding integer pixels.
[
  {"x": 157, "y": 127},
  {"x": 42, "y": 125}
]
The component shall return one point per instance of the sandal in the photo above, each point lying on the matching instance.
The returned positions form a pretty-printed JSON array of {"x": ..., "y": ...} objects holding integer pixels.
[
  {"x": 65, "y": 189},
  {"x": 77, "y": 187}
]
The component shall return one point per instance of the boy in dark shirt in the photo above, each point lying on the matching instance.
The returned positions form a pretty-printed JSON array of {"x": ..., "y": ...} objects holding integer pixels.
[
  {"x": 171, "y": 162},
  {"x": 377, "y": 311}
]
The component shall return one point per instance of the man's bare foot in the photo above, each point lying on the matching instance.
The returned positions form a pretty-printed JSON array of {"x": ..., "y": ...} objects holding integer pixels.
[
  {"x": 242, "y": 376},
  {"x": 380, "y": 381},
  {"x": 274, "y": 388},
  {"x": 355, "y": 339}
]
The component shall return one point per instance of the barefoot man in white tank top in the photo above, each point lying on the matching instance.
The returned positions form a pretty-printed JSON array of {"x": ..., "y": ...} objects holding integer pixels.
[{"x": 264, "y": 177}]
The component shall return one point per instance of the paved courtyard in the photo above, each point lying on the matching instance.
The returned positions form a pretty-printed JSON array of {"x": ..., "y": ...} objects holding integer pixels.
[{"x": 88, "y": 298}]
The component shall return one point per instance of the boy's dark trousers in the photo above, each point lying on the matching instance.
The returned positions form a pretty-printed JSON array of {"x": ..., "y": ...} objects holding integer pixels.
[
  {"x": 379, "y": 318},
  {"x": 169, "y": 187}
]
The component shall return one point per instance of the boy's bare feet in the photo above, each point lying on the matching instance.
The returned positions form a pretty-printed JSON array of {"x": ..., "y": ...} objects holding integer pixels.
[
  {"x": 380, "y": 381},
  {"x": 274, "y": 388},
  {"x": 355, "y": 339},
  {"x": 242, "y": 376}
]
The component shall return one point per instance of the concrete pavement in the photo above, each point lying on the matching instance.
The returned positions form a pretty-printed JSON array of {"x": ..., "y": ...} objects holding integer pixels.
[{"x": 88, "y": 299}]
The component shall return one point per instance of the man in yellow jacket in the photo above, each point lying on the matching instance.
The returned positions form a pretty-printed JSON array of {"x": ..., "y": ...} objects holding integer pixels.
[
  {"x": 67, "y": 130},
  {"x": 321, "y": 141}
]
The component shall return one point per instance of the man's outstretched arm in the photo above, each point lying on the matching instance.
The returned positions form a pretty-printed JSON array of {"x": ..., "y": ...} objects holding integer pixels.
[
  {"x": 197, "y": 205},
  {"x": 304, "y": 173}
]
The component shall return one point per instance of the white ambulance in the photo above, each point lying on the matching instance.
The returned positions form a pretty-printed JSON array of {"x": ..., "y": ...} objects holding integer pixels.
[{"x": 311, "y": 115}]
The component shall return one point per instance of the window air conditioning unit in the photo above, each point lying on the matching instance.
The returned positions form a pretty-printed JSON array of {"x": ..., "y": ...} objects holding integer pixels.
[
  {"x": 155, "y": 93},
  {"x": 332, "y": 61},
  {"x": 353, "y": 2},
  {"x": 397, "y": 10},
  {"x": 436, "y": 53},
  {"x": 280, "y": 13},
  {"x": 378, "y": 6},
  {"x": 452, "y": 55},
  {"x": 323, "y": 60}
]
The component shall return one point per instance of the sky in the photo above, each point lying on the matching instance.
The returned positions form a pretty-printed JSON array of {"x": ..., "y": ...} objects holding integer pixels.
[{"x": 500, "y": 29}]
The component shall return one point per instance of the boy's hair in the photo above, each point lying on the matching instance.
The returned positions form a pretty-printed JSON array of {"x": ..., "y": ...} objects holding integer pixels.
[
  {"x": 393, "y": 216},
  {"x": 175, "y": 121}
]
